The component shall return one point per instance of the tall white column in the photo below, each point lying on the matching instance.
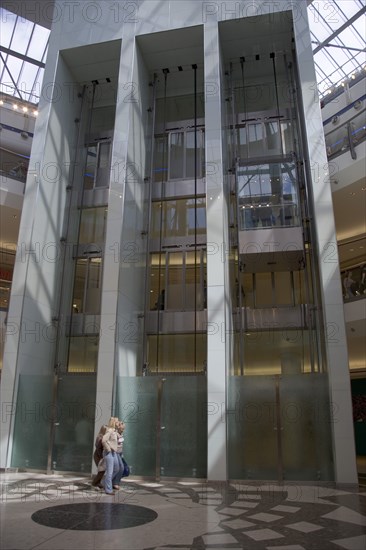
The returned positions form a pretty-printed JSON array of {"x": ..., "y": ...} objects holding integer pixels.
[
  {"x": 336, "y": 342},
  {"x": 217, "y": 241}
]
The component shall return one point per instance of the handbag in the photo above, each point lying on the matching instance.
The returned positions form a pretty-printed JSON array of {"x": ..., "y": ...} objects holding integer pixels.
[{"x": 126, "y": 468}]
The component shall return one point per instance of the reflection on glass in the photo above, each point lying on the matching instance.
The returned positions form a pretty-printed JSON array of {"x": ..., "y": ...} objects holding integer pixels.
[
  {"x": 90, "y": 168},
  {"x": 176, "y": 155},
  {"x": 83, "y": 353},
  {"x": 179, "y": 353},
  {"x": 276, "y": 351},
  {"x": 32, "y": 429},
  {"x": 74, "y": 433},
  {"x": 263, "y": 290},
  {"x": 180, "y": 157},
  {"x": 160, "y": 159},
  {"x": 283, "y": 287},
  {"x": 193, "y": 282},
  {"x": 186, "y": 281},
  {"x": 171, "y": 109},
  {"x": 4, "y": 295},
  {"x": 157, "y": 281},
  {"x": 92, "y": 225},
  {"x": 87, "y": 286},
  {"x": 97, "y": 166},
  {"x": 179, "y": 218},
  {"x": 184, "y": 403},
  {"x": 102, "y": 176},
  {"x": 175, "y": 281},
  {"x": 268, "y": 196}
]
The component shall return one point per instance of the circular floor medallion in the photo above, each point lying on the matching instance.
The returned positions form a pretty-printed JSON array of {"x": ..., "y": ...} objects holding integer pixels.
[{"x": 99, "y": 516}]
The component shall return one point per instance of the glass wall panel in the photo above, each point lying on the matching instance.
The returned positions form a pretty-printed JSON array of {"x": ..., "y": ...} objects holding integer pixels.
[
  {"x": 171, "y": 109},
  {"x": 287, "y": 137},
  {"x": 256, "y": 140},
  {"x": 33, "y": 418},
  {"x": 103, "y": 171},
  {"x": 80, "y": 282},
  {"x": 92, "y": 225},
  {"x": 279, "y": 428},
  {"x": 157, "y": 281},
  {"x": 137, "y": 405},
  {"x": 268, "y": 195},
  {"x": 87, "y": 286},
  {"x": 190, "y": 154},
  {"x": 300, "y": 290},
  {"x": 252, "y": 437},
  {"x": 283, "y": 288},
  {"x": 161, "y": 159},
  {"x": 273, "y": 138},
  {"x": 184, "y": 404},
  {"x": 193, "y": 282},
  {"x": 4, "y": 295},
  {"x": 176, "y": 155},
  {"x": 83, "y": 353},
  {"x": 176, "y": 352},
  {"x": 91, "y": 167},
  {"x": 74, "y": 433},
  {"x": 97, "y": 165},
  {"x": 179, "y": 218},
  {"x": 306, "y": 433},
  {"x": 247, "y": 289},
  {"x": 175, "y": 297},
  {"x": 263, "y": 290},
  {"x": 276, "y": 351}
]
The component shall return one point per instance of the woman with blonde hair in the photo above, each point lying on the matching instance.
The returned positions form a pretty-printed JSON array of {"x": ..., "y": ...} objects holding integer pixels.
[
  {"x": 98, "y": 456},
  {"x": 110, "y": 446}
]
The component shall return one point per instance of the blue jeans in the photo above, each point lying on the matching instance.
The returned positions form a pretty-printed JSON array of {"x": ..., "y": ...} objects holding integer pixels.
[
  {"x": 112, "y": 470},
  {"x": 121, "y": 468}
]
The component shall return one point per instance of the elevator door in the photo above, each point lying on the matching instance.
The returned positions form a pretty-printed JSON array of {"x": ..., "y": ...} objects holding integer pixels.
[
  {"x": 278, "y": 428},
  {"x": 166, "y": 424},
  {"x": 182, "y": 427}
]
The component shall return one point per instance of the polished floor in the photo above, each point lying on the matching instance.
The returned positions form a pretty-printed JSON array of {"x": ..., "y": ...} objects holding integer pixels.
[{"x": 60, "y": 512}]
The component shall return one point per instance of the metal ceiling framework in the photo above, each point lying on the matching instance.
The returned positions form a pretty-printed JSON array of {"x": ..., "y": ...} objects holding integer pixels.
[
  {"x": 339, "y": 25},
  {"x": 335, "y": 24},
  {"x": 23, "y": 52}
]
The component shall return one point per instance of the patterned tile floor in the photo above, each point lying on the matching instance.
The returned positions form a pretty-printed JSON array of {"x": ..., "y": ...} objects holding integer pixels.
[{"x": 64, "y": 512}]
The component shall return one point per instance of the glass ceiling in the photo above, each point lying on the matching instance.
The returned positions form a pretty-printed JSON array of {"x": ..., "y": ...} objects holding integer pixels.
[
  {"x": 337, "y": 33},
  {"x": 338, "y": 36},
  {"x": 23, "y": 51}
]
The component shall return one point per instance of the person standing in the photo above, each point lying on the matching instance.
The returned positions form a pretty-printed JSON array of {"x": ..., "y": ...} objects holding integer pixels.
[
  {"x": 110, "y": 445},
  {"x": 98, "y": 456},
  {"x": 347, "y": 285},
  {"x": 120, "y": 439}
]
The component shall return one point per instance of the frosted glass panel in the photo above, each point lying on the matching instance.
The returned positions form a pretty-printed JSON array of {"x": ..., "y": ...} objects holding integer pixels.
[
  {"x": 305, "y": 416},
  {"x": 252, "y": 437},
  {"x": 137, "y": 405},
  {"x": 32, "y": 422},
  {"x": 76, "y": 412},
  {"x": 184, "y": 427}
]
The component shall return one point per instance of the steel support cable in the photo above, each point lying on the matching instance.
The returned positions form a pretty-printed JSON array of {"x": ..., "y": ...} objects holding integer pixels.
[
  {"x": 148, "y": 267},
  {"x": 162, "y": 291},
  {"x": 243, "y": 321},
  {"x": 195, "y": 215}
]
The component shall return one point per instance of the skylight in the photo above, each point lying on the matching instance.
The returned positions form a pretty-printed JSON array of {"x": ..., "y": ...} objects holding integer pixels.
[
  {"x": 338, "y": 37},
  {"x": 23, "y": 53},
  {"x": 337, "y": 33}
]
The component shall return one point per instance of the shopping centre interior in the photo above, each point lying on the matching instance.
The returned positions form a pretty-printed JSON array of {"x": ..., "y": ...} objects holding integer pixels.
[{"x": 183, "y": 237}]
